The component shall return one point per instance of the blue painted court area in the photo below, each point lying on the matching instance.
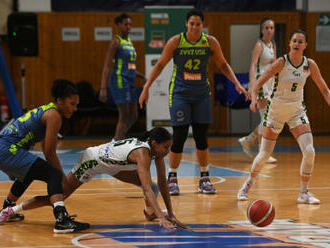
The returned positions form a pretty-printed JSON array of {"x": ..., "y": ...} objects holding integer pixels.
[
  {"x": 206, "y": 235},
  {"x": 69, "y": 157}
]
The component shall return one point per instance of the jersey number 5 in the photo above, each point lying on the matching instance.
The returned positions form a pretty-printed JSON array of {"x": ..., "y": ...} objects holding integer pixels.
[{"x": 294, "y": 86}]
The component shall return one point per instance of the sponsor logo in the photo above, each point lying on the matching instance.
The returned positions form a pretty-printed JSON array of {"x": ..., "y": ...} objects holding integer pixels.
[{"x": 192, "y": 76}]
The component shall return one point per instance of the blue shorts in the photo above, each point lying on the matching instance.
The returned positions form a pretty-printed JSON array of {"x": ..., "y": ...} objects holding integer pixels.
[
  {"x": 124, "y": 93},
  {"x": 15, "y": 165},
  {"x": 188, "y": 110}
]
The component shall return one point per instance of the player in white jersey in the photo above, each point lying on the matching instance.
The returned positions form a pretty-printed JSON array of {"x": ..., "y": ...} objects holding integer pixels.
[
  {"x": 286, "y": 106},
  {"x": 264, "y": 53},
  {"x": 128, "y": 160}
]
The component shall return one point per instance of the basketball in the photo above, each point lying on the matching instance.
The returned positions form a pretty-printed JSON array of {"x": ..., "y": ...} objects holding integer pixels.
[{"x": 261, "y": 213}]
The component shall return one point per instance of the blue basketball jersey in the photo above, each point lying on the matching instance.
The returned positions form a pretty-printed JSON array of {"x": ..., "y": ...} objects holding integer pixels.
[
  {"x": 124, "y": 63},
  {"x": 28, "y": 129},
  {"x": 190, "y": 67}
]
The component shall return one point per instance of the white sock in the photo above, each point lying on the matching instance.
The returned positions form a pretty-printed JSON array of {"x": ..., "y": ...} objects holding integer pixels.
[
  {"x": 303, "y": 186},
  {"x": 175, "y": 170},
  {"x": 59, "y": 203},
  {"x": 18, "y": 208}
]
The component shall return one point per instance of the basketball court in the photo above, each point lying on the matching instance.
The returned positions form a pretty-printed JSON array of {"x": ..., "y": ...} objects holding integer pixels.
[{"x": 114, "y": 209}]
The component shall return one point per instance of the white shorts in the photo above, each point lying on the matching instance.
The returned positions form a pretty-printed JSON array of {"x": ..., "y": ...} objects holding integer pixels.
[
  {"x": 279, "y": 113},
  {"x": 89, "y": 165}
]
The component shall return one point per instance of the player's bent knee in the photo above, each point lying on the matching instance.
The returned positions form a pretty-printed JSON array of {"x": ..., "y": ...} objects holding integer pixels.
[{"x": 309, "y": 153}]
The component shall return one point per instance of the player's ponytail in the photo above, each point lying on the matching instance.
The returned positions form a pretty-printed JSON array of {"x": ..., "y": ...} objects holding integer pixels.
[{"x": 159, "y": 134}]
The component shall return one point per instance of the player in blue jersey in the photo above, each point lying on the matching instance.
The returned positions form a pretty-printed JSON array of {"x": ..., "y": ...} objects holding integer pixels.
[
  {"x": 121, "y": 83},
  {"x": 189, "y": 100},
  {"x": 40, "y": 124}
]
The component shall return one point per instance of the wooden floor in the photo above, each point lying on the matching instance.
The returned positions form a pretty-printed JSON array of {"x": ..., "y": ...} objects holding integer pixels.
[{"x": 114, "y": 209}]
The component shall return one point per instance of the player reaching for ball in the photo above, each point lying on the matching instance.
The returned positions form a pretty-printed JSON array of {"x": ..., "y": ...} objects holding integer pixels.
[
  {"x": 127, "y": 160},
  {"x": 286, "y": 105}
]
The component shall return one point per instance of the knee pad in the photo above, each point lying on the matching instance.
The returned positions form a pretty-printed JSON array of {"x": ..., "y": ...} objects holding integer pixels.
[
  {"x": 18, "y": 188},
  {"x": 54, "y": 182},
  {"x": 200, "y": 135},
  {"x": 307, "y": 163},
  {"x": 180, "y": 134},
  {"x": 309, "y": 153},
  {"x": 154, "y": 188}
]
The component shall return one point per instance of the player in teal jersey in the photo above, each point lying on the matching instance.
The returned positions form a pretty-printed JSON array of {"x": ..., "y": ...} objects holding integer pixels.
[
  {"x": 189, "y": 100},
  {"x": 40, "y": 124},
  {"x": 121, "y": 83}
]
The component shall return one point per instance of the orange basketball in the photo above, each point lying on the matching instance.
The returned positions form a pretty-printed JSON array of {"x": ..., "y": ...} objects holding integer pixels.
[{"x": 261, "y": 213}]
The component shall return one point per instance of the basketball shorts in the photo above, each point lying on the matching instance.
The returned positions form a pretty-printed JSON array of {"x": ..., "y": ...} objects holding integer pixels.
[
  {"x": 188, "y": 110},
  {"x": 15, "y": 162},
  {"x": 124, "y": 91},
  {"x": 279, "y": 113},
  {"x": 90, "y": 165}
]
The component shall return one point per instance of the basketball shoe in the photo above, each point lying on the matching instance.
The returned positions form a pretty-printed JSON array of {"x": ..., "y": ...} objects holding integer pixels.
[
  {"x": 15, "y": 217},
  {"x": 307, "y": 198},
  {"x": 173, "y": 186},
  {"x": 246, "y": 146},
  {"x": 242, "y": 194},
  {"x": 205, "y": 186},
  {"x": 65, "y": 223},
  {"x": 5, "y": 214}
]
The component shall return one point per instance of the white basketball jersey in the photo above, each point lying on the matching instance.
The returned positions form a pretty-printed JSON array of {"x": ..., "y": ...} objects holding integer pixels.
[
  {"x": 266, "y": 58},
  {"x": 289, "y": 86},
  {"x": 116, "y": 153}
]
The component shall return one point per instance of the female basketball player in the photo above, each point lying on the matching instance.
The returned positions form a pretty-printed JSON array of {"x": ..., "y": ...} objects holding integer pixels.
[
  {"x": 39, "y": 124},
  {"x": 286, "y": 106},
  {"x": 121, "y": 82},
  {"x": 128, "y": 160},
  {"x": 263, "y": 55},
  {"x": 189, "y": 101}
]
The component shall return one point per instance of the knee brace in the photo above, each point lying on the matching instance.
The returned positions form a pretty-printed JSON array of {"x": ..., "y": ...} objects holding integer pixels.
[
  {"x": 180, "y": 134},
  {"x": 305, "y": 142},
  {"x": 200, "y": 135}
]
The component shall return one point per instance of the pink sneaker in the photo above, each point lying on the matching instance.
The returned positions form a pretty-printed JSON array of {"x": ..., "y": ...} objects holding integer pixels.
[{"x": 5, "y": 214}]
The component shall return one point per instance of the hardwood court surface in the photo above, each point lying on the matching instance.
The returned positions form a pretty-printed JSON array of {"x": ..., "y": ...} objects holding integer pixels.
[{"x": 114, "y": 209}]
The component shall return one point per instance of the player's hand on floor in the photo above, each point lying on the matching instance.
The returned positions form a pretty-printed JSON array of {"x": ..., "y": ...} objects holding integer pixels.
[
  {"x": 165, "y": 223},
  {"x": 177, "y": 223}
]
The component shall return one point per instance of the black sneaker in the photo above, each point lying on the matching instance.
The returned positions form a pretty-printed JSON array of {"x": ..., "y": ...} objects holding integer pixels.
[
  {"x": 67, "y": 225},
  {"x": 15, "y": 217}
]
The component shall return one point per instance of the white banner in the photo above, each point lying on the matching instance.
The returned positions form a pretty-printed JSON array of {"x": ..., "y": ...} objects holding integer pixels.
[
  {"x": 102, "y": 33},
  {"x": 158, "y": 113},
  {"x": 70, "y": 34}
]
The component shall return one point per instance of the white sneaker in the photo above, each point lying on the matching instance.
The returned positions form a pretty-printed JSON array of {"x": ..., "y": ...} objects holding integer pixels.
[
  {"x": 307, "y": 198},
  {"x": 246, "y": 146},
  {"x": 271, "y": 160},
  {"x": 242, "y": 194}
]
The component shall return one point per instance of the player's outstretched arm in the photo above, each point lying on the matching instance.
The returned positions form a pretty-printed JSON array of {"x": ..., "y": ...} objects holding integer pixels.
[
  {"x": 165, "y": 57},
  {"x": 143, "y": 159}
]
